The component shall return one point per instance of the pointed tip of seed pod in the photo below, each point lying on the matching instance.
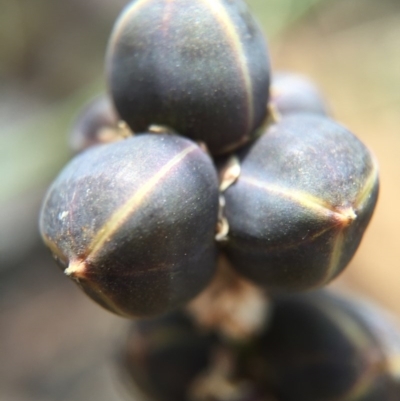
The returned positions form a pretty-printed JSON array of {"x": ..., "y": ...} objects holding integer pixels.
[
  {"x": 76, "y": 269},
  {"x": 347, "y": 216}
]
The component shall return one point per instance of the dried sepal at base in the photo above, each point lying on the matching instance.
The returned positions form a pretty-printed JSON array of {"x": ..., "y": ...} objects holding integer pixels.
[
  {"x": 229, "y": 172},
  {"x": 220, "y": 381},
  {"x": 200, "y": 67},
  {"x": 297, "y": 213},
  {"x": 133, "y": 223},
  {"x": 230, "y": 305}
]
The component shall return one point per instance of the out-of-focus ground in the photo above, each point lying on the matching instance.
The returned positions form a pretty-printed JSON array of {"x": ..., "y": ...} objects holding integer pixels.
[{"x": 55, "y": 344}]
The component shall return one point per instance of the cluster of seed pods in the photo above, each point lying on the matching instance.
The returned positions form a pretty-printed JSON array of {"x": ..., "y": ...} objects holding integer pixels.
[
  {"x": 198, "y": 151},
  {"x": 317, "y": 346}
]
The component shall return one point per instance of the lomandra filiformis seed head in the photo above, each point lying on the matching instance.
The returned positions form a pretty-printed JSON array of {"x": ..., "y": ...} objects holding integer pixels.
[
  {"x": 200, "y": 67},
  {"x": 322, "y": 346},
  {"x": 305, "y": 195},
  {"x": 133, "y": 223}
]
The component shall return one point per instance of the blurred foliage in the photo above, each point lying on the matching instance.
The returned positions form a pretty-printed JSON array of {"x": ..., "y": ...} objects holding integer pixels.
[
  {"x": 32, "y": 150},
  {"x": 277, "y": 15}
]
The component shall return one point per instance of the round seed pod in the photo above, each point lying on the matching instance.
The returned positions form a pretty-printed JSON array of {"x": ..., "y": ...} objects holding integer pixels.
[
  {"x": 97, "y": 123},
  {"x": 295, "y": 93},
  {"x": 163, "y": 356},
  {"x": 200, "y": 67},
  {"x": 133, "y": 223},
  {"x": 171, "y": 359},
  {"x": 306, "y": 192},
  {"x": 320, "y": 346}
]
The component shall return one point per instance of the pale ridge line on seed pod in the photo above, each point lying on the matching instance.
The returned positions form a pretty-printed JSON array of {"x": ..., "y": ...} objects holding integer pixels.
[
  {"x": 339, "y": 241},
  {"x": 352, "y": 330},
  {"x": 336, "y": 254},
  {"x": 305, "y": 240},
  {"x": 166, "y": 17},
  {"x": 121, "y": 215},
  {"x": 363, "y": 385},
  {"x": 369, "y": 184},
  {"x": 306, "y": 200},
  {"x": 223, "y": 17},
  {"x": 125, "y": 16},
  {"x": 343, "y": 218}
]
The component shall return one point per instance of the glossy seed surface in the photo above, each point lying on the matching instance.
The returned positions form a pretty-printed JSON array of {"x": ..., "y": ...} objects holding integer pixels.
[
  {"x": 200, "y": 67},
  {"x": 295, "y": 93},
  {"x": 305, "y": 195},
  {"x": 320, "y": 347},
  {"x": 133, "y": 223}
]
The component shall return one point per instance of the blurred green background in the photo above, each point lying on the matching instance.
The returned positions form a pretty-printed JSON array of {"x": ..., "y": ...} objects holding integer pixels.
[{"x": 55, "y": 344}]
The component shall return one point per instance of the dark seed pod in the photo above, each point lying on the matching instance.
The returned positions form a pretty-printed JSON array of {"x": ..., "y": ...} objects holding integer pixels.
[
  {"x": 295, "y": 93},
  {"x": 164, "y": 356},
  {"x": 97, "y": 123},
  {"x": 322, "y": 347},
  {"x": 305, "y": 195},
  {"x": 133, "y": 223},
  {"x": 200, "y": 67},
  {"x": 171, "y": 359}
]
